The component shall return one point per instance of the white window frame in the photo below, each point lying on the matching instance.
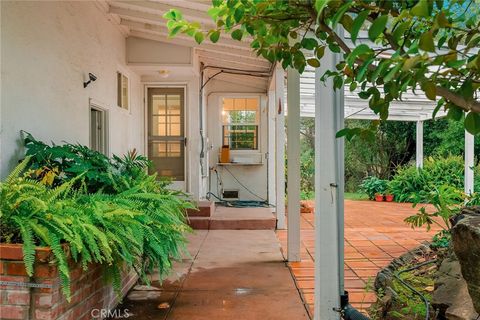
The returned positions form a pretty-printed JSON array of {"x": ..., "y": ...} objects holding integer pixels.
[
  {"x": 259, "y": 124},
  {"x": 105, "y": 126},
  {"x": 119, "y": 91}
]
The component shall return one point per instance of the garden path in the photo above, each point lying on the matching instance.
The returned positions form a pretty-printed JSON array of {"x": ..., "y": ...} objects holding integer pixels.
[
  {"x": 375, "y": 233},
  {"x": 232, "y": 274}
]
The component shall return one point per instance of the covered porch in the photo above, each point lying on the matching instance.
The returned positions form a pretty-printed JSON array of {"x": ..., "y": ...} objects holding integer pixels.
[{"x": 177, "y": 102}]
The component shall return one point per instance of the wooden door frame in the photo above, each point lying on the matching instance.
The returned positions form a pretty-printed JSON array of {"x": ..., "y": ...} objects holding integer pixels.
[{"x": 170, "y": 85}]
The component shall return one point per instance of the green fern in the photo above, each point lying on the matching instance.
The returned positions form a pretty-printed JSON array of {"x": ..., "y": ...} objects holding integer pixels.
[{"x": 140, "y": 227}]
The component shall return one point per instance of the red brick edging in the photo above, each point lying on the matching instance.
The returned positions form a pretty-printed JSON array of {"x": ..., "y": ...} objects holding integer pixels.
[{"x": 89, "y": 291}]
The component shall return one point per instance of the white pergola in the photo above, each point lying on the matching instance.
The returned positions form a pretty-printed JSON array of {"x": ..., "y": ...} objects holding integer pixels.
[
  {"x": 411, "y": 107},
  {"x": 313, "y": 98},
  {"x": 307, "y": 97}
]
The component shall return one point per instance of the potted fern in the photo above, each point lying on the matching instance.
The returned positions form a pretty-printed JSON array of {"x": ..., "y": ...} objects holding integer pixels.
[{"x": 139, "y": 226}]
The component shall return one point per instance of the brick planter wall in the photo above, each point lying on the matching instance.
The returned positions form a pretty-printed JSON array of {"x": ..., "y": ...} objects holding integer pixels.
[{"x": 89, "y": 291}]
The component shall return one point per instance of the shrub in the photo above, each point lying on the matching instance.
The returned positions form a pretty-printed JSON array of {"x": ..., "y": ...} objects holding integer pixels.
[
  {"x": 412, "y": 184},
  {"x": 140, "y": 224},
  {"x": 57, "y": 164},
  {"x": 373, "y": 185}
]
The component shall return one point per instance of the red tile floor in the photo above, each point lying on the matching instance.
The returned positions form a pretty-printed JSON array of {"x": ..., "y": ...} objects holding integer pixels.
[{"x": 375, "y": 233}]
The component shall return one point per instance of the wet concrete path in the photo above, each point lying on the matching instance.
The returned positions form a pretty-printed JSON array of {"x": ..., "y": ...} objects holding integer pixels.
[{"x": 232, "y": 274}]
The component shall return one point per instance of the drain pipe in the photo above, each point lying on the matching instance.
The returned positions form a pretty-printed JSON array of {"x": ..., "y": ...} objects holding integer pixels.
[{"x": 348, "y": 312}]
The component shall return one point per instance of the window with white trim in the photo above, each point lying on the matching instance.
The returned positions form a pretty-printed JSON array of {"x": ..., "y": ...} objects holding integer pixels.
[
  {"x": 240, "y": 123},
  {"x": 122, "y": 91},
  {"x": 98, "y": 129}
]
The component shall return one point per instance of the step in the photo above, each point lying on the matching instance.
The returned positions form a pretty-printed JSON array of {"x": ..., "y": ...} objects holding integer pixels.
[
  {"x": 205, "y": 209},
  {"x": 227, "y": 218}
]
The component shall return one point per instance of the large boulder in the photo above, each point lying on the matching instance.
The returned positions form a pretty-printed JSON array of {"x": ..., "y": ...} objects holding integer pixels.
[
  {"x": 466, "y": 244},
  {"x": 451, "y": 298}
]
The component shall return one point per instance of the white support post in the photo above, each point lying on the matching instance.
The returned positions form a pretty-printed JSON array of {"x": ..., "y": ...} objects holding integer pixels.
[
  {"x": 280, "y": 146},
  {"x": 329, "y": 178},
  {"x": 271, "y": 114},
  {"x": 293, "y": 168},
  {"x": 419, "y": 145},
  {"x": 469, "y": 162}
]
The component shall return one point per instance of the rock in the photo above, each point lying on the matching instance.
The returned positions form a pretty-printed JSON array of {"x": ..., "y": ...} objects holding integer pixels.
[
  {"x": 138, "y": 295},
  {"x": 466, "y": 244},
  {"x": 140, "y": 287},
  {"x": 451, "y": 298}
]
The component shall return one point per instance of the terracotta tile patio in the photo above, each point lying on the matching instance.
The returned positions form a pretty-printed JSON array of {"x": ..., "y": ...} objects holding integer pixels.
[{"x": 374, "y": 234}]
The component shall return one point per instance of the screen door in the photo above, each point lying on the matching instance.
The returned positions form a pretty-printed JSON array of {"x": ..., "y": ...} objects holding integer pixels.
[{"x": 166, "y": 133}]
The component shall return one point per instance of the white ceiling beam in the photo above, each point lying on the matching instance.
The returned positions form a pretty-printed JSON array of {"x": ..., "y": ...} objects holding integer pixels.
[
  {"x": 243, "y": 84},
  {"x": 155, "y": 28},
  {"x": 188, "y": 42},
  {"x": 231, "y": 64},
  {"x": 142, "y": 16},
  {"x": 256, "y": 82},
  {"x": 231, "y": 56},
  {"x": 159, "y": 7},
  {"x": 154, "y": 11}
]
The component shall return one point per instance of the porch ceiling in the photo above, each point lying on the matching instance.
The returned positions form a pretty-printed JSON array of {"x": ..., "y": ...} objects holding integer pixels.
[{"x": 144, "y": 19}]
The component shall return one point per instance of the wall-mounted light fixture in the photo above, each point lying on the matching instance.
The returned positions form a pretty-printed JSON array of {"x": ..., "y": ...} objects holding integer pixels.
[
  {"x": 164, "y": 73},
  {"x": 91, "y": 78}
]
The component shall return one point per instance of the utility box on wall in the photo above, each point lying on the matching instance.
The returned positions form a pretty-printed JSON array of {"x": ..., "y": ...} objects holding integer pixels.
[{"x": 230, "y": 194}]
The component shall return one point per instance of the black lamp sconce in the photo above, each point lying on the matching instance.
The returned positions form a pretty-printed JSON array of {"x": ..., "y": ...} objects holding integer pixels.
[{"x": 91, "y": 78}]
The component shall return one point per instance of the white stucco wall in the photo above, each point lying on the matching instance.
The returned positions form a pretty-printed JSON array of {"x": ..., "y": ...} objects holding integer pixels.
[
  {"x": 253, "y": 177},
  {"x": 47, "y": 50}
]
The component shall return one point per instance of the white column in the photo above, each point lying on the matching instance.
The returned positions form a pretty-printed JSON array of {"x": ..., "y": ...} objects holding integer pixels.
[
  {"x": 293, "y": 167},
  {"x": 469, "y": 162},
  {"x": 270, "y": 157},
  {"x": 280, "y": 146},
  {"x": 419, "y": 145},
  {"x": 328, "y": 194}
]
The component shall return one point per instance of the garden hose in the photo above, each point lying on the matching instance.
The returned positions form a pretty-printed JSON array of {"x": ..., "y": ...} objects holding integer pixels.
[
  {"x": 415, "y": 291},
  {"x": 347, "y": 311},
  {"x": 350, "y": 313},
  {"x": 240, "y": 203}
]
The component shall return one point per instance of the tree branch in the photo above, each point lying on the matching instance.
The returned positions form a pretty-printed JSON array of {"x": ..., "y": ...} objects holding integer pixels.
[{"x": 466, "y": 105}]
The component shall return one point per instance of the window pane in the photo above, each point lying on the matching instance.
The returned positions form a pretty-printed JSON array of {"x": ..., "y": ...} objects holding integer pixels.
[
  {"x": 158, "y": 126},
  {"x": 119, "y": 89},
  {"x": 158, "y": 104},
  {"x": 158, "y": 149},
  {"x": 174, "y": 149},
  {"x": 240, "y": 118},
  {"x": 241, "y": 137},
  {"x": 124, "y": 92}
]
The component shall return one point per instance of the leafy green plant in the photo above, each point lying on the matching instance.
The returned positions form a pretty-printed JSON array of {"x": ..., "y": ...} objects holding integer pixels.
[
  {"x": 141, "y": 227},
  {"x": 411, "y": 184},
  {"x": 372, "y": 186},
  {"x": 416, "y": 45},
  {"x": 447, "y": 202},
  {"x": 57, "y": 164}
]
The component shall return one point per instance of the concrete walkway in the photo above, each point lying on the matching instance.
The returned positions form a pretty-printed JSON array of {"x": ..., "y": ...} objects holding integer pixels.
[{"x": 233, "y": 274}]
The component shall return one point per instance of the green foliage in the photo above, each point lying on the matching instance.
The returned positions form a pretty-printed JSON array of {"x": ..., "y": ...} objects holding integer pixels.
[
  {"x": 415, "y": 185},
  {"x": 141, "y": 225},
  {"x": 418, "y": 45},
  {"x": 372, "y": 186},
  {"x": 447, "y": 202},
  {"x": 355, "y": 196},
  {"x": 57, "y": 164},
  {"x": 441, "y": 239}
]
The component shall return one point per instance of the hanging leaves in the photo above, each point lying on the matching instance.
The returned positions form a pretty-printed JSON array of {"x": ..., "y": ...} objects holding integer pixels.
[
  {"x": 425, "y": 43},
  {"x": 377, "y": 27},
  {"x": 472, "y": 122}
]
